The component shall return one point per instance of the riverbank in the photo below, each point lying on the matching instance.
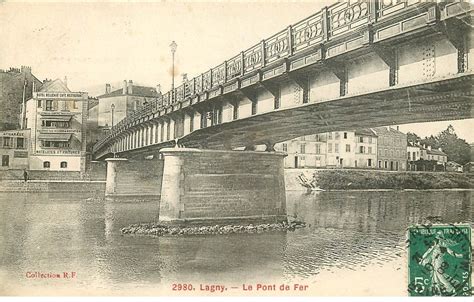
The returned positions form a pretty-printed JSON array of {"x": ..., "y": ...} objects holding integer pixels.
[
  {"x": 375, "y": 180},
  {"x": 67, "y": 186}
]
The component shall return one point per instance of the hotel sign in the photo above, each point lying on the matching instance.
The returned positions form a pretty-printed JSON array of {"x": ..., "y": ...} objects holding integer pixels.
[{"x": 60, "y": 95}]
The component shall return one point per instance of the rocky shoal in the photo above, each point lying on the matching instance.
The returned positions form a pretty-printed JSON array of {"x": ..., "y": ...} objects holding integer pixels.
[{"x": 154, "y": 229}]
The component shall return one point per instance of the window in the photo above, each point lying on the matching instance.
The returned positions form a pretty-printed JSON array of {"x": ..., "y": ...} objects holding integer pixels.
[
  {"x": 361, "y": 149},
  {"x": 380, "y": 164},
  {"x": 370, "y": 139},
  {"x": 20, "y": 142},
  {"x": 329, "y": 148},
  {"x": 74, "y": 104},
  {"x": 303, "y": 148},
  {"x": 39, "y": 104},
  {"x": 336, "y": 148},
  {"x": 348, "y": 148},
  {"x": 330, "y": 135},
  {"x": 336, "y": 135},
  {"x": 369, "y": 162},
  {"x": 370, "y": 150},
  {"x": 361, "y": 139},
  {"x": 380, "y": 152},
  {"x": 6, "y": 142},
  {"x": 285, "y": 147},
  {"x": 303, "y": 138},
  {"x": 345, "y": 135},
  {"x": 46, "y": 164},
  {"x": 49, "y": 105},
  {"x": 386, "y": 164},
  {"x": 5, "y": 160},
  {"x": 318, "y": 149},
  {"x": 64, "y": 164}
]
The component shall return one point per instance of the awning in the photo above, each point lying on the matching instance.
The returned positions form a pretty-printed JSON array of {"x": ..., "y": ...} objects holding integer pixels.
[
  {"x": 60, "y": 118},
  {"x": 55, "y": 137}
]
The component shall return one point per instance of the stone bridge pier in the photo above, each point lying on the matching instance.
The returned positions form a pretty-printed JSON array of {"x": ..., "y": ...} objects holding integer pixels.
[{"x": 206, "y": 186}]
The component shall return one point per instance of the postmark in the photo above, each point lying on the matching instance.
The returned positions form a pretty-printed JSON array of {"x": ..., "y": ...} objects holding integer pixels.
[{"x": 439, "y": 260}]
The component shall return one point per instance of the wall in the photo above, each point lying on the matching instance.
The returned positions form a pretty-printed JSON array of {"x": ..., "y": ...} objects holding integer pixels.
[
  {"x": 138, "y": 177},
  {"x": 73, "y": 162},
  {"x": 105, "y": 113},
  {"x": 209, "y": 185}
]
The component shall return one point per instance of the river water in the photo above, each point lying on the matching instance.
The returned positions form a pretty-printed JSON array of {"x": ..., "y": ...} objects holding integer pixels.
[{"x": 354, "y": 244}]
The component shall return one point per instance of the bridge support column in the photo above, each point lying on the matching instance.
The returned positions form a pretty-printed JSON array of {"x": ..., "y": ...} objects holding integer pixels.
[
  {"x": 207, "y": 186},
  {"x": 133, "y": 177},
  {"x": 111, "y": 182}
]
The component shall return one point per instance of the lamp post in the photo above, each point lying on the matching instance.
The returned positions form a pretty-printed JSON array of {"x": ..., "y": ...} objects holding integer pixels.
[
  {"x": 112, "y": 108},
  {"x": 173, "y": 47}
]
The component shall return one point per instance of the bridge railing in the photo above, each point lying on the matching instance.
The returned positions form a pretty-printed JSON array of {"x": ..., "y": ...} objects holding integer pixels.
[{"x": 330, "y": 23}]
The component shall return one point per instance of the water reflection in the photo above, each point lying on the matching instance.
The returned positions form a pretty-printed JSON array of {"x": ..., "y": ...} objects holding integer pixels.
[{"x": 347, "y": 231}]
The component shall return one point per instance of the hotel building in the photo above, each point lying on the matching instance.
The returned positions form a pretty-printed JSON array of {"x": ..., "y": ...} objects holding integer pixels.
[{"x": 57, "y": 119}]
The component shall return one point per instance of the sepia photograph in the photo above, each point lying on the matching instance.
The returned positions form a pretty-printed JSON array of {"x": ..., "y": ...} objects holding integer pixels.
[{"x": 236, "y": 148}]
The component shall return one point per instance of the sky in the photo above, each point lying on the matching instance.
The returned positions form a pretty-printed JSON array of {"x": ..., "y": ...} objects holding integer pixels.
[{"x": 108, "y": 42}]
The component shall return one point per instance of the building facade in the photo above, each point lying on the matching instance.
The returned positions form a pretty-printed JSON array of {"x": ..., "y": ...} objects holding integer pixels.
[
  {"x": 16, "y": 84},
  {"x": 391, "y": 149},
  {"x": 14, "y": 149},
  {"x": 115, "y": 105},
  {"x": 339, "y": 149},
  {"x": 348, "y": 149},
  {"x": 57, "y": 119}
]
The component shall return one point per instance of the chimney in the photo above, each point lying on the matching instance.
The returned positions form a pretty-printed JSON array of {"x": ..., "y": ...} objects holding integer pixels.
[
  {"x": 440, "y": 149},
  {"x": 108, "y": 88},
  {"x": 130, "y": 87},
  {"x": 25, "y": 69},
  {"x": 158, "y": 89},
  {"x": 185, "y": 77},
  {"x": 65, "y": 81},
  {"x": 429, "y": 148},
  {"x": 124, "y": 88},
  {"x": 398, "y": 128}
]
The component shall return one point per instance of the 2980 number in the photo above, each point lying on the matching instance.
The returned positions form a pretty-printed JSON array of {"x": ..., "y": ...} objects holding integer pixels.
[{"x": 182, "y": 287}]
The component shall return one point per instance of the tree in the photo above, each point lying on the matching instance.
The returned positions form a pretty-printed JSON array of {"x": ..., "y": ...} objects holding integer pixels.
[
  {"x": 457, "y": 149},
  {"x": 413, "y": 137}
]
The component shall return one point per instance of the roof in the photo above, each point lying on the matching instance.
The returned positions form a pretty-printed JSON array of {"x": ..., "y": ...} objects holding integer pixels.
[
  {"x": 387, "y": 130},
  {"x": 365, "y": 132},
  {"x": 54, "y": 86},
  {"x": 136, "y": 89},
  {"x": 435, "y": 152}
]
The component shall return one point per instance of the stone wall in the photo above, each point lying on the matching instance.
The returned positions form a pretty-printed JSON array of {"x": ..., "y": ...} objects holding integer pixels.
[
  {"x": 137, "y": 177},
  {"x": 211, "y": 185},
  {"x": 32, "y": 186}
]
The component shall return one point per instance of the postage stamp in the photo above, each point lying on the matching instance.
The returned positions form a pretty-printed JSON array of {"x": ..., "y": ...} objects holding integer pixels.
[{"x": 439, "y": 260}]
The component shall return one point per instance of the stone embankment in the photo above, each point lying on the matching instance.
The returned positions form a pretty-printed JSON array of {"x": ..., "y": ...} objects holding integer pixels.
[
  {"x": 155, "y": 229},
  {"x": 352, "y": 179}
]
